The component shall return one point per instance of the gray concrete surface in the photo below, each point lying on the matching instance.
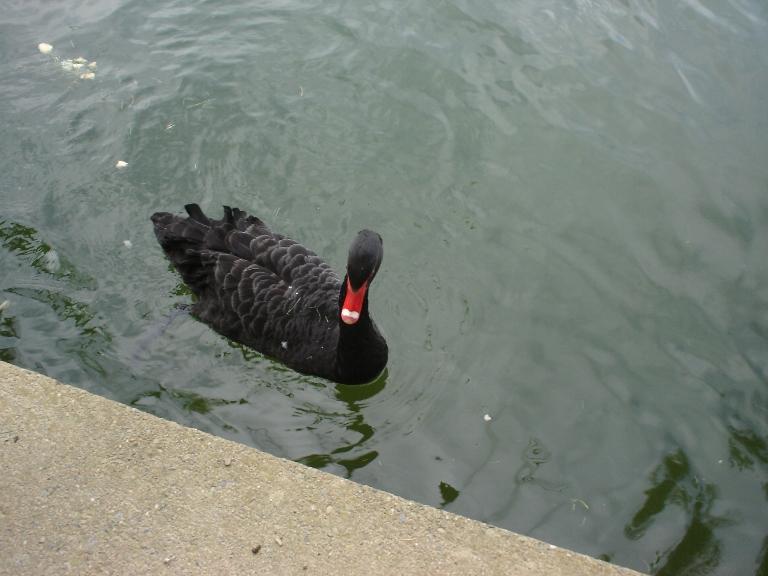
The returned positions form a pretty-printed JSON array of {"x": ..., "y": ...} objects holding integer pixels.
[{"x": 89, "y": 486}]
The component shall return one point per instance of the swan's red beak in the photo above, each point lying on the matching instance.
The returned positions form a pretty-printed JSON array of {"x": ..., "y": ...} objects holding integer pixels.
[{"x": 353, "y": 303}]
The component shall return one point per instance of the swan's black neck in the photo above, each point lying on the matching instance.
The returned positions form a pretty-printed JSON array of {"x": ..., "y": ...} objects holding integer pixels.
[{"x": 362, "y": 351}]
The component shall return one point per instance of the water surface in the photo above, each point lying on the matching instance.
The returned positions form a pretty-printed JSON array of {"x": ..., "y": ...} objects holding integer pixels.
[{"x": 574, "y": 203}]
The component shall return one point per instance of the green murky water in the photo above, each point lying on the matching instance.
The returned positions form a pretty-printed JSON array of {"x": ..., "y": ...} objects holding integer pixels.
[{"x": 573, "y": 197}]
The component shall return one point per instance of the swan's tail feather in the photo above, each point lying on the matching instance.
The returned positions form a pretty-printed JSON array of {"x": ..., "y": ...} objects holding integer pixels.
[
  {"x": 243, "y": 222},
  {"x": 183, "y": 239},
  {"x": 189, "y": 241},
  {"x": 196, "y": 213}
]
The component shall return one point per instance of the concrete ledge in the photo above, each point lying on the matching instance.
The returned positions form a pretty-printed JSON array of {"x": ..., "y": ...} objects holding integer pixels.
[{"x": 89, "y": 486}]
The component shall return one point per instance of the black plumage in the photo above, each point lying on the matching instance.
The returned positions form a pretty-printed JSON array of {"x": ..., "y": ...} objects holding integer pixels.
[{"x": 274, "y": 295}]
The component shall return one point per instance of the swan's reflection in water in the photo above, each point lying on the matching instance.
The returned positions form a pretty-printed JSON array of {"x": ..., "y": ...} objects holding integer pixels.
[{"x": 353, "y": 398}]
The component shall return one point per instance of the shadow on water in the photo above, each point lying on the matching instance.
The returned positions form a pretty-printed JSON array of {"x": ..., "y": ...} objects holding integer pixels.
[
  {"x": 674, "y": 483},
  {"x": 746, "y": 449},
  {"x": 8, "y": 336},
  {"x": 762, "y": 559},
  {"x": 188, "y": 402},
  {"x": 448, "y": 493},
  {"x": 197, "y": 402},
  {"x": 26, "y": 244}
]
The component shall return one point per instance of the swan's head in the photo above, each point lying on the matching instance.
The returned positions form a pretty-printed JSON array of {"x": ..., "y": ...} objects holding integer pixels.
[{"x": 364, "y": 259}]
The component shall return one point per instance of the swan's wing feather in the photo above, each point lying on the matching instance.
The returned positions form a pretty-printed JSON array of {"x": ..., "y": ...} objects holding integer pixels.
[
  {"x": 256, "y": 287},
  {"x": 249, "y": 303}
]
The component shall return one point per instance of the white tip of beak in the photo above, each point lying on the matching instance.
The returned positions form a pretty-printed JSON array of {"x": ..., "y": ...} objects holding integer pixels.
[{"x": 349, "y": 316}]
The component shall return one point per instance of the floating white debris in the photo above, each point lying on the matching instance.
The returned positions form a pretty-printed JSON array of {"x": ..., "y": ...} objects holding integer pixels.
[
  {"x": 44, "y": 48},
  {"x": 487, "y": 418},
  {"x": 120, "y": 164},
  {"x": 575, "y": 501},
  {"x": 79, "y": 65},
  {"x": 4, "y": 305},
  {"x": 284, "y": 344},
  {"x": 127, "y": 243}
]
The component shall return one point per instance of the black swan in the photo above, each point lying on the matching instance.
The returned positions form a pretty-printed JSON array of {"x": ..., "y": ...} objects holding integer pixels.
[{"x": 272, "y": 294}]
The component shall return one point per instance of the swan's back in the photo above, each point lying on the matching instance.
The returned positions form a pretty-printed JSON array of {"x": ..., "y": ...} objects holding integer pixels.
[{"x": 255, "y": 286}]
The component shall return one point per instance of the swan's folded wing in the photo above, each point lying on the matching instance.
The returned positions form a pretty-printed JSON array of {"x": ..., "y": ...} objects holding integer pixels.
[
  {"x": 250, "y": 304},
  {"x": 286, "y": 258},
  {"x": 242, "y": 296}
]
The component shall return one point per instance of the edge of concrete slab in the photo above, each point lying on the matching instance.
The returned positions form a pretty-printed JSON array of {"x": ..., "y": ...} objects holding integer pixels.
[{"x": 93, "y": 486}]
